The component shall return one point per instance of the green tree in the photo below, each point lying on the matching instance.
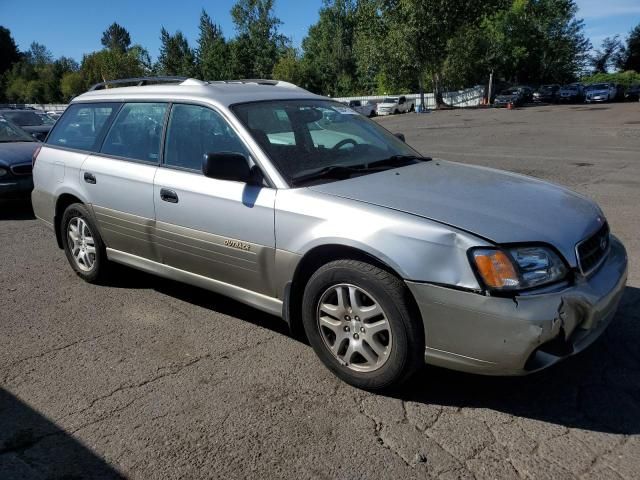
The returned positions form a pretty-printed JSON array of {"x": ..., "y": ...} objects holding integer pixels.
[
  {"x": 290, "y": 68},
  {"x": 113, "y": 64},
  {"x": 607, "y": 56},
  {"x": 212, "y": 54},
  {"x": 328, "y": 52},
  {"x": 630, "y": 55},
  {"x": 71, "y": 85},
  {"x": 259, "y": 44},
  {"x": 9, "y": 53},
  {"x": 116, "y": 37},
  {"x": 176, "y": 57}
]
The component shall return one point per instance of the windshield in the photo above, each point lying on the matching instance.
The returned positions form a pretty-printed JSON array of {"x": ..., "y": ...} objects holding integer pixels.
[
  {"x": 11, "y": 133},
  {"x": 510, "y": 91},
  {"x": 303, "y": 136},
  {"x": 390, "y": 100},
  {"x": 28, "y": 119},
  {"x": 598, "y": 86},
  {"x": 573, "y": 88}
]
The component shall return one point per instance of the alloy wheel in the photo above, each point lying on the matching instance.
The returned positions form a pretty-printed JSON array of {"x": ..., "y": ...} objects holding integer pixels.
[
  {"x": 354, "y": 327},
  {"x": 81, "y": 244}
]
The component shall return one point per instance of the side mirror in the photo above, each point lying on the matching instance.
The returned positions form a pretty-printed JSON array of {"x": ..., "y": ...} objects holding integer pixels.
[
  {"x": 400, "y": 136},
  {"x": 227, "y": 166}
]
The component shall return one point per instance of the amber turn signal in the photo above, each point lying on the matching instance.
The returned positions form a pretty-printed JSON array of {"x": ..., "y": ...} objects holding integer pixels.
[{"x": 496, "y": 269}]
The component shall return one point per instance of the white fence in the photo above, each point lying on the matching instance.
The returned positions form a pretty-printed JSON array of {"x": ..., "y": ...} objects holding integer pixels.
[
  {"x": 47, "y": 107},
  {"x": 470, "y": 97}
]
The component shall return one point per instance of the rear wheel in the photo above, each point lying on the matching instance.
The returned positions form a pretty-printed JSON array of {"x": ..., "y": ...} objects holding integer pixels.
[
  {"x": 83, "y": 244},
  {"x": 358, "y": 320}
]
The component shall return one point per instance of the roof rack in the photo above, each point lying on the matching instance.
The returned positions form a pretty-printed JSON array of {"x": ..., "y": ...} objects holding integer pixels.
[
  {"x": 258, "y": 81},
  {"x": 138, "y": 81}
]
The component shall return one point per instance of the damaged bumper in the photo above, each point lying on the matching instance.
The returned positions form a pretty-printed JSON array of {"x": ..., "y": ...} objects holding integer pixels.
[{"x": 516, "y": 336}]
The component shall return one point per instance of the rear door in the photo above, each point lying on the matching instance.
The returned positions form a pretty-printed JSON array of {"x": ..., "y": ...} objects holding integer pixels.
[
  {"x": 119, "y": 178},
  {"x": 216, "y": 228}
]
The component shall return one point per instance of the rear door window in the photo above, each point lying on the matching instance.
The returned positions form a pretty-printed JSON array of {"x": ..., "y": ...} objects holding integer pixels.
[
  {"x": 82, "y": 126},
  {"x": 136, "y": 133}
]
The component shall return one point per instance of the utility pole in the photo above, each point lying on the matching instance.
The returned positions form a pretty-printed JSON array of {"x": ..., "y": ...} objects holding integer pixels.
[{"x": 490, "y": 87}]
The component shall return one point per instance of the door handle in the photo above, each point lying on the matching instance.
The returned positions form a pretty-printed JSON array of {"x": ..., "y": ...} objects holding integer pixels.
[
  {"x": 168, "y": 195},
  {"x": 89, "y": 178}
]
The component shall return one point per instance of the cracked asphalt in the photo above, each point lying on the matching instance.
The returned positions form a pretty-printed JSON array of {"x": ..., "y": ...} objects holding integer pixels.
[{"x": 145, "y": 378}]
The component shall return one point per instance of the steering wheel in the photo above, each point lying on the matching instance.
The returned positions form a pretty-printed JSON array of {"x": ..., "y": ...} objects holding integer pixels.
[{"x": 344, "y": 142}]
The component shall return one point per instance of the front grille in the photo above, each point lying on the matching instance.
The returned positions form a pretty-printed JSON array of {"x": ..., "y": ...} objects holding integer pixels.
[
  {"x": 22, "y": 169},
  {"x": 592, "y": 251}
]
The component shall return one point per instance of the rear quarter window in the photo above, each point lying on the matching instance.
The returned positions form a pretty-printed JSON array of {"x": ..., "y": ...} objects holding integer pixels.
[{"x": 82, "y": 126}]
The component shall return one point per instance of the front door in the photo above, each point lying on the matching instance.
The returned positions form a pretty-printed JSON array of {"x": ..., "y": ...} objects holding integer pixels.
[{"x": 216, "y": 228}]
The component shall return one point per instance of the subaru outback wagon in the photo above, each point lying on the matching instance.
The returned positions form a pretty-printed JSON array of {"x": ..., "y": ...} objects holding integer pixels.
[{"x": 299, "y": 206}]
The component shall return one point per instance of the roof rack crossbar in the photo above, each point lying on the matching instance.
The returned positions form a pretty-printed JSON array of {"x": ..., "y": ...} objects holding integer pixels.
[
  {"x": 138, "y": 81},
  {"x": 259, "y": 81}
]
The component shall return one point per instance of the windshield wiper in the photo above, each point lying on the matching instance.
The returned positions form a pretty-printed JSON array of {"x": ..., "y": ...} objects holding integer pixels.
[
  {"x": 342, "y": 172},
  {"x": 332, "y": 171},
  {"x": 394, "y": 161}
]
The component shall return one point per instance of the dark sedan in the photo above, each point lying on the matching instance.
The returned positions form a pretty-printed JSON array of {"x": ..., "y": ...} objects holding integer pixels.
[
  {"x": 16, "y": 152},
  {"x": 632, "y": 94},
  {"x": 36, "y": 123},
  {"x": 547, "y": 94},
  {"x": 513, "y": 96}
]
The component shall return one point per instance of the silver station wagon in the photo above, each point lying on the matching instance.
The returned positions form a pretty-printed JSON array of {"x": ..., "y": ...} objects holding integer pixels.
[{"x": 299, "y": 206}]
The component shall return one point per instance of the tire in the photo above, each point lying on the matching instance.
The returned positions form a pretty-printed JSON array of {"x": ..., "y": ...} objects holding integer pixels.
[
  {"x": 396, "y": 112},
  {"x": 358, "y": 341},
  {"x": 95, "y": 264}
]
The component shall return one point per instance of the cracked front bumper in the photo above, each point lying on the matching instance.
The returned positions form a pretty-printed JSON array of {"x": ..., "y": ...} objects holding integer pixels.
[{"x": 515, "y": 336}]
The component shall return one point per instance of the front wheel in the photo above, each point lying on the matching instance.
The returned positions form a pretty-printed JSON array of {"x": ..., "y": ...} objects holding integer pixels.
[
  {"x": 358, "y": 320},
  {"x": 83, "y": 244}
]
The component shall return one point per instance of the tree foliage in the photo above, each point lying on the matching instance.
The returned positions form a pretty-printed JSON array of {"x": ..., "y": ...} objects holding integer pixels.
[
  {"x": 607, "y": 56},
  {"x": 213, "y": 52},
  {"x": 176, "y": 56},
  {"x": 629, "y": 57},
  {"x": 355, "y": 47},
  {"x": 116, "y": 37},
  {"x": 259, "y": 43}
]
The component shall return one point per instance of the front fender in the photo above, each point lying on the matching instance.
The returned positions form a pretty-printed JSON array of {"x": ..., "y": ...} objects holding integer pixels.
[{"x": 416, "y": 248}]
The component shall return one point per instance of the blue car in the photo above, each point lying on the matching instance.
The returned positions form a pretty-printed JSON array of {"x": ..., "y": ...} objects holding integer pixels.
[{"x": 16, "y": 153}]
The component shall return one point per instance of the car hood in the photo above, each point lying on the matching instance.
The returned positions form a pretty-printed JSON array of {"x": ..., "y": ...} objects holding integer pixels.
[
  {"x": 387, "y": 104},
  {"x": 506, "y": 97},
  {"x": 499, "y": 206},
  {"x": 15, "y": 153},
  {"x": 598, "y": 92}
]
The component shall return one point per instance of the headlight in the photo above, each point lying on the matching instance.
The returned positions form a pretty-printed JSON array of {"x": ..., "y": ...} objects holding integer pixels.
[
  {"x": 519, "y": 267},
  {"x": 3, "y": 172}
]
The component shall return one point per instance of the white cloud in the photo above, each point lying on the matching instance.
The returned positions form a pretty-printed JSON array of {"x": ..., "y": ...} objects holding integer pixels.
[{"x": 601, "y": 9}]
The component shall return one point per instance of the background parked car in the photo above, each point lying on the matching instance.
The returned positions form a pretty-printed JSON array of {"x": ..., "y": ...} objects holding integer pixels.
[
  {"x": 600, "y": 92},
  {"x": 633, "y": 93},
  {"x": 513, "y": 95},
  {"x": 395, "y": 105},
  {"x": 547, "y": 94},
  {"x": 363, "y": 107},
  {"x": 572, "y": 93},
  {"x": 16, "y": 153},
  {"x": 36, "y": 123}
]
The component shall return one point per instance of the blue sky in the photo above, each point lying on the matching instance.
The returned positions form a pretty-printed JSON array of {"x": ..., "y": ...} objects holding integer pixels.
[{"x": 74, "y": 27}]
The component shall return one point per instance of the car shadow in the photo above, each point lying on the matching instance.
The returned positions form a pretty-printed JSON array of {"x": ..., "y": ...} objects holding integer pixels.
[
  {"x": 32, "y": 446},
  {"x": 16, "y": 209},
  {"x": 598, "y": 389},
  {"x": 126, "y": 277}
]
